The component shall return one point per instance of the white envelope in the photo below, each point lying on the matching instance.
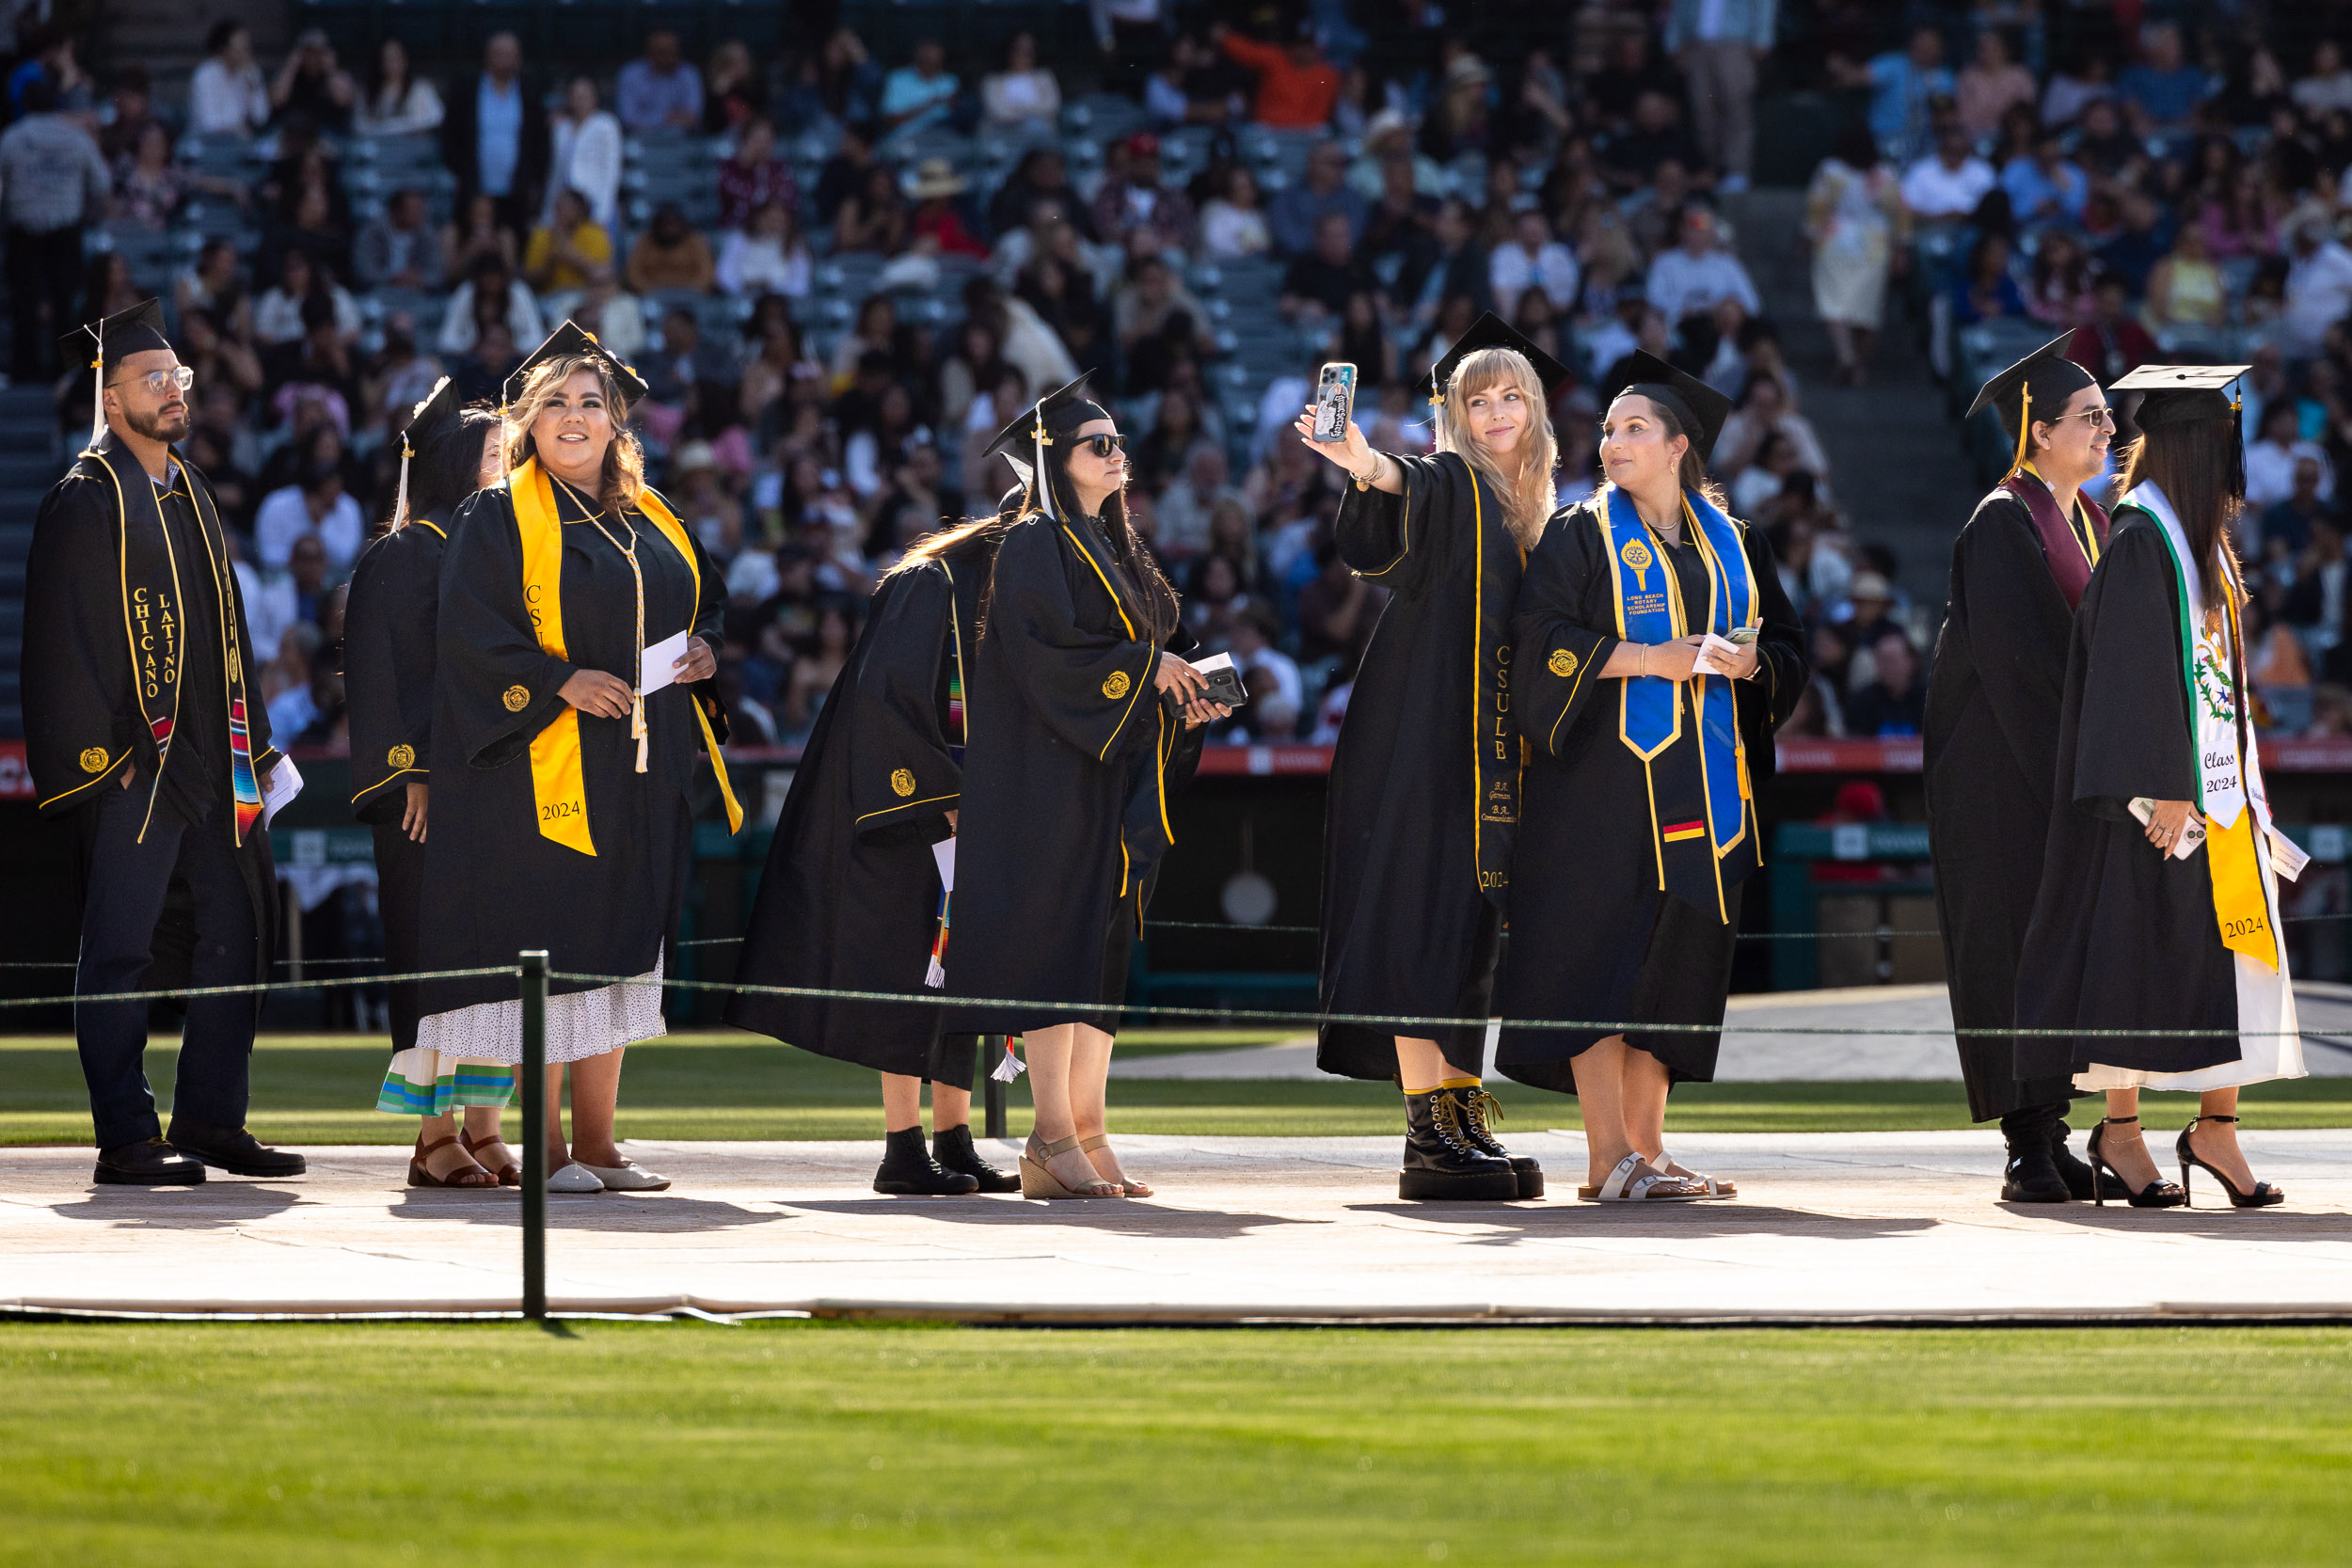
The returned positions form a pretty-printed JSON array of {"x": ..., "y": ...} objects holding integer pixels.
[
  {"x": 1716, "y": 656},
  {"x": 285, "y": 783},
  {"x": 653, "y": 669},
  {"x": 943, "y": 852}
]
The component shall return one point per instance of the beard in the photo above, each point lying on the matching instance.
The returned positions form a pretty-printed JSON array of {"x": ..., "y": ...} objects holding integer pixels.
[{"x": 166, "y": 425}]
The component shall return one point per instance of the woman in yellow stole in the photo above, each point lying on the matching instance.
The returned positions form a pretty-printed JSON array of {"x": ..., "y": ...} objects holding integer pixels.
[{"x": 563, "y": 801}]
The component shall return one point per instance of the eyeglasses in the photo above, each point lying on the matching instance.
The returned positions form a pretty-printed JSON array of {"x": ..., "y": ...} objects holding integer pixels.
[
  {"x": 156, "y": 381},
  {"x": 2101, "y": 418},
  {"x": 1103, "y": 446}
]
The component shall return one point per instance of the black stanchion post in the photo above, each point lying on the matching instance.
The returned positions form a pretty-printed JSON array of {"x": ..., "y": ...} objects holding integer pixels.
[
  {"x": 535, "y": 1109},
  {"x": 992, "y": 1050}
]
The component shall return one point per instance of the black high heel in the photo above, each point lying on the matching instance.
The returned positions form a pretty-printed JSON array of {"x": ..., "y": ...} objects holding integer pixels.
[
  {"x": 2158, "y": 1194},
  {"x": 2264, "y": 1194}
]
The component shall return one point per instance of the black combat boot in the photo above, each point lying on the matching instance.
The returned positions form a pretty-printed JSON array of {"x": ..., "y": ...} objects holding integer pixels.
[
  {"x": 1476, "y": 1105},
  {"x": 2071, "y": 1170},
  {"x": 1439, "y": 1160},
  {"x": 908, "y": 1167},
  {"x": 2031, "y": 1175},
  {"x": 952, "y": 1147}
]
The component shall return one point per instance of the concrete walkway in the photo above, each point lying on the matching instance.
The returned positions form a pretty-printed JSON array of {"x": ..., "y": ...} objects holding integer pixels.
[
  {"x": 1847, "y": 1052},
  {"x": 1831, "y": 1228}
]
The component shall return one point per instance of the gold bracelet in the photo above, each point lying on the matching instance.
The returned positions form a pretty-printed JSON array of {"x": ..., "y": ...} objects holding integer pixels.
[{"x": 1363, "y": 481}]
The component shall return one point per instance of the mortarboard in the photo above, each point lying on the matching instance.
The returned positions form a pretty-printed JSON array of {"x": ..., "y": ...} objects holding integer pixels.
[
  {"x": 573, "y": 341},
  {"x": 2045, "y": 379},
  {"x": 108, "y": 342},
  {"x": 1491, "y": 331},
  {"x": 1697, "y": 407},
  {"x": 1023, "y": 439},
  {"x": 428, "y": 420},
  {"x": 2177, "y": 394}
]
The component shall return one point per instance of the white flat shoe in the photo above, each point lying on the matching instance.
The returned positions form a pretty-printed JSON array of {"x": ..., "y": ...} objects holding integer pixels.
[
  {"x": 574, "y": 1178},
  {"x": 627, "y": 1178}
]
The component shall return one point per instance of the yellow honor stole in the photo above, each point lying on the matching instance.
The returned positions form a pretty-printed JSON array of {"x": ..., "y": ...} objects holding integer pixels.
[{"x": 558, "y": 781}]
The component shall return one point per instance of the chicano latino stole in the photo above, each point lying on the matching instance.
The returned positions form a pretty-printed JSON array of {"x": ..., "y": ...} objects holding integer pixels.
[
  {"x": 558, "y": 779},
  {"x": 2211, "y": 661},
  {"x": 1698, "y": 794},
  {"x": 1501, "y": 754},
  {"x": 2072, "y": 550}
]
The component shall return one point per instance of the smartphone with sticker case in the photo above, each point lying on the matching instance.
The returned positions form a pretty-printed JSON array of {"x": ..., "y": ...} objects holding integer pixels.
[{"x": 1335, "y": 402}]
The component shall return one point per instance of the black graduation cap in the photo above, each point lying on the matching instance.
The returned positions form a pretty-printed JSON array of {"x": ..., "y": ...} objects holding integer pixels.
[
  {"x": 1697, "y": 407},
  {"x": 433, "y": 417},
  {"x": 2043, "y": 380},
  {"x": 569, "y": 341},
  {"x": 126, "y": 332},
  {"x": 1491, "y": 331},
  {"x": 2180, "y": 393},
  {"x": 1018, "y": 440}
]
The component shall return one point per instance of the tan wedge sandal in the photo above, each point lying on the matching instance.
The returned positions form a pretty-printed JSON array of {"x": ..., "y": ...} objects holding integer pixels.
[
  {"x": 1131, "y": 1188},
  {"x": 1037, "y": 1181}
]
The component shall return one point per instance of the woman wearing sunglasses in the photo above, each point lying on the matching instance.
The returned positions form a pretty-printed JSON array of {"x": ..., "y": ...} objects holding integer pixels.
[{"x": 1079, "y": 720}]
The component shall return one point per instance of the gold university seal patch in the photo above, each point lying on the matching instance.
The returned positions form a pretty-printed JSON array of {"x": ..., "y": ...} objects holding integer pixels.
[
  {"x": 902, "y": 784},
  {"x": 402, "y": 756},
  {"x": 94, "y": 760},
  {"x": 1115, "y": 686},
  {"x": 516, "y": 699},
  {"x": 1562, "y": 662}
]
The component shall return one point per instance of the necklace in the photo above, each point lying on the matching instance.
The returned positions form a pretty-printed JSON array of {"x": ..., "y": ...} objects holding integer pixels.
[{"x": 628, "y": 553}]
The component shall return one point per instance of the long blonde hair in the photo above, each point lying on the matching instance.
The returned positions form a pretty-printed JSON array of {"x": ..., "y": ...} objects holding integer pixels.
[
  {"x": 1528, "y": 496},
  {"x": 622, "y": 485}
]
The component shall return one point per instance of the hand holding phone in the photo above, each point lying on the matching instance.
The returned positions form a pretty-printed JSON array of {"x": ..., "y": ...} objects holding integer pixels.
[{"x": 1335, "y": 402}]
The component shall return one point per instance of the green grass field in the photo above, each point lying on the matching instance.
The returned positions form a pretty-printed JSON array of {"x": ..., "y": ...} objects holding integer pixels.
[
  {"x": 321, "y": 1089},
  {"x": 804, "y": 1443}
]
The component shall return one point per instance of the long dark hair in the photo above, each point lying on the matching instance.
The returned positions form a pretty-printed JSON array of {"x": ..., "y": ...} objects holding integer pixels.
[
  {"x": 2194, "y": 463},
  {"x": 445, "y": 471},
  {"x": 1151, "y": 586}
]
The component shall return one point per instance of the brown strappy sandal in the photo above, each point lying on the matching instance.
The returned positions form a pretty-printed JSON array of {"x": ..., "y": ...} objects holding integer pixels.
[
  {"x": 509, "y": 1174},
  {"x": 1126, "y": 1185},
  {"x": 419, "y": 1176}
]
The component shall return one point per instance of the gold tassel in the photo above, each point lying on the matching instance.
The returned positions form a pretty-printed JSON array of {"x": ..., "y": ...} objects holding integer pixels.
[{"x": 2025, "y": 429}]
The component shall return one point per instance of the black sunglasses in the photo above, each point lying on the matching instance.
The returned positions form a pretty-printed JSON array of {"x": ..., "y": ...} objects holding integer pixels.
[{"x": 1103, "y": 446}]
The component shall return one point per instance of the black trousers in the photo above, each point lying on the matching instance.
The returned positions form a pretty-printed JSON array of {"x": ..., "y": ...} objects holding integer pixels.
[
  {"x": 41, "y": 269},
  {"x": 126, "y": 883}
]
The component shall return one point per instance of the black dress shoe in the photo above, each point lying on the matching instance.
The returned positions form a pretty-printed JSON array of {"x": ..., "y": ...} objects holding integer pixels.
[
  {"x": 2031, "y": 1175},
  {"x": 1474, "y": 1102},
  {"x": 908, "y": 1167},
  {"x": 1441, "y": 1163},
  {"x": 2071, "y": 1170},
  {"x": 150, "y": 1163},
  {"x": 232, "y": 1149},
  {"x": 952, "y": 1147}
]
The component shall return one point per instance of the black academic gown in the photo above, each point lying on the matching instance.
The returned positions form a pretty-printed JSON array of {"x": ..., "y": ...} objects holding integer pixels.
[
  {"x": 1593, "y": 934},
  {"x": 134, "y": 631},
  {"x": 1070, "y": 754},
  {"x": 495, "y": 884},
  {"x": 388, "y": 631},
  {"x": 1992, "y": 738},
  {"x": 850, "y": 899},
  {"x": 2121, "y": 937},
  {"x": 1420, "y": 812}
]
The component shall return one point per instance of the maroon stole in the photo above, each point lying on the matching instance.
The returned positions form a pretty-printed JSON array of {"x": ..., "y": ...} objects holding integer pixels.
[{"x": 2073, "y": 544}]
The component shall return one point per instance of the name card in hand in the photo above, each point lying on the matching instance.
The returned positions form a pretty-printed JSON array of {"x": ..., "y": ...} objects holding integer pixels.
[{"x": 654, "y": 670}]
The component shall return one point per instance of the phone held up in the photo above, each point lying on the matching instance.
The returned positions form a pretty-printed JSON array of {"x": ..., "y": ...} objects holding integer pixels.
[{"x": 1335, "y": 402}]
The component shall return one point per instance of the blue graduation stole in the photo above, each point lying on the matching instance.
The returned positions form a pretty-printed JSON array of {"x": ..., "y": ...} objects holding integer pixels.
[{"x": 1698, "y": 792}]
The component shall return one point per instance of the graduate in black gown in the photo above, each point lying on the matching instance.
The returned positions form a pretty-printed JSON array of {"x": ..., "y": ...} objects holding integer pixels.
[
  {"x": 1080, "y": 718},
  {"x": 852, "y": 898},
  {"x": 1654, "y": 653},
  {"x": 447, "y": 453},
  {"x": 562, "y": 806},
  {"x": 2159, "y": 900},
  {"x": 2018, "y": 567},
  {"x": 1425, "y": 779},
  {"x": 140, "y": 732}
]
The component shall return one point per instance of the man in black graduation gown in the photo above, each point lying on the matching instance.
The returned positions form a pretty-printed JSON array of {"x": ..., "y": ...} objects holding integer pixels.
[
  {"x": 2019, "y": 568},
  {"x": 140, "y": 730}
]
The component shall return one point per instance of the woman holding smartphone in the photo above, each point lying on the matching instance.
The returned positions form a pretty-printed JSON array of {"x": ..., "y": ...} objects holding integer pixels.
[
  {"x": 1654, "y": 652},
  {"x": 1425, "y": 779}
]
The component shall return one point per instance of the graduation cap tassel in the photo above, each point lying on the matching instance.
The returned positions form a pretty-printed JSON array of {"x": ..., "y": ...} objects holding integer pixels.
[
  {"x": 399, "y": 494},
  {"x": 98, "y": 386},
  {"x": 2024, "y": 428},
  {"x": 1012, "y": 1066}
]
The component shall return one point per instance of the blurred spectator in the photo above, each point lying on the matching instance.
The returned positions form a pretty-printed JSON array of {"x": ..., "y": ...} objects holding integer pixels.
[
  {"x": 2288, "y": 525},
  {"x": 702, "y": 502},
  {"x": 2059, "y": 292},
  {"x": 53, "y": 184},
  {"x": 2271, "y": 461},
  {"x": 2163, "y": 91},
  {"x": 476, "y": 231},
  {"x": 495, "y": 138},
  {"x": 1022, "y": 94},
  {"x": 1337, "y": 610},
  {"x": 2105, "y": 147},
  {"x": 1657, "y": 139},
  {"x": 2186, "y": 293},
  {"x": 2316, "y": 600},
  {"x": 660, "y": 90},
  {"x": 918, "y": 96},
  {"x": 319, "y": 361},
  {"x": 568, "y": 249},
  {"x": 1533, "y": 259},
  {"x": 1187, "y": 506},
  {"x": 490, "y": 291},
  {"x": 313, "y": 507},
  {"x": 227, "y": 96},
  {"x": 734, "y": 91},
  {"x": 818, "y": 664},
  {"x": 1456, "y": 268},
  {"x": 1459, "y": 123},
  {"x": 1157, "y": 321},
  {"x": 751, "y": 175},
  {"x": 2072, "y": 91},
  {"x": 2132, "y": 255},
  {"x": 275, "y": 602},
  {"x": 767, "y": 256},
  {"x": 1854, "y": 218},
  {"x": 936, "y": 217},
  {"x": 398, "y": 248},
  {"x": 312, "y": 87},
  {"x": 669, "y": 255},
  {"x": 2043, "y": 186},
  {"x": 1231, "y": 223},
  {"x": 1765, "y": 477},
  {"x": 1719, "y": 43},
  {"x": 398, "y": 103},
  {"x": 2329, "y": 87},
  {"x": 1950, "y": 183},
  {"x": 2318, "y": 287},
  {"x": 1991, "y": 85},
  {"x": 1277, "y": 693},
  {"x": 1986, "y": 289},
  {"x": 130, "y": 110},
  {"x": 51, "y": 59},
  {"x": 584, "y": 154},
  {"x": 1690, "y": 278},
  {"x": 109, "y": 290},
  {"x": 1295, "y": 217},
  {"x": 1319, "y": 283},
  {"x": 1132, "y": 199},
  {"x": 614, "y": 316},
  {"x": 1893, "y": 701},
  {"x": 1764, "y": 410},
  {"x": 1042, "y": 175},
  {"x": 1903, "y": 87},
  {"x": 1296, "y": 85},
  {"x": 149, "y": 189},
  {"x": 2111, "y": 342}
]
